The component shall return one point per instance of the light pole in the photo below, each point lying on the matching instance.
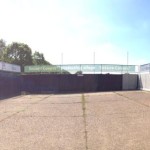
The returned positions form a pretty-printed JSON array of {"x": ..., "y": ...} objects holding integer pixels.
[
  {"x": 61, "y": 58},
  {"x": 61, "y": 61},
  {"x": 127, "y": 61},
  {"x": 94, "y": 61}
]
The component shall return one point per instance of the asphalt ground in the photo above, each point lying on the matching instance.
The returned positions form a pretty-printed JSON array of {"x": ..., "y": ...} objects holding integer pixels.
[{"x": 89, "y": 121}]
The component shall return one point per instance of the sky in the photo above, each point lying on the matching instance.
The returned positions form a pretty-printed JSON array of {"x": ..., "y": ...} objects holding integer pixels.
[{"x": 72, "y": 31}]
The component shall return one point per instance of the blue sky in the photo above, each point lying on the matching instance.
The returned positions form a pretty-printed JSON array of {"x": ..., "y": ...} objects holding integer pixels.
[{"x": 78, "y": 28}]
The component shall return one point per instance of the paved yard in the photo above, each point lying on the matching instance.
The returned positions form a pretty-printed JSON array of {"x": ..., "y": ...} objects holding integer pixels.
[{"x": 94, "y": 121}]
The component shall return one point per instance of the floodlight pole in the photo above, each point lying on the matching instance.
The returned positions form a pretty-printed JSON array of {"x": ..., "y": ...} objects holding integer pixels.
[
  {"x": 127, "y": 58},
  {"x": 61, "y": 58},
  {"x": 61, "y": 61},
  {"x": 127, "y": 61},
  {"x": 94, "y": 61},
  {"x": 127, "y": 70}
]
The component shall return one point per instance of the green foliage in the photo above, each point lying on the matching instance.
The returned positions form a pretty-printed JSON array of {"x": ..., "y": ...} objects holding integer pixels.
[
  {"x": 2, "y": 44},
  {"x": 65, "y": 72},
  {"x": 18, "y": 53},
  {"x": 2, "y": 47},
  {"x": 38, "y": 59},
  {"x": 78, "y": 72}
]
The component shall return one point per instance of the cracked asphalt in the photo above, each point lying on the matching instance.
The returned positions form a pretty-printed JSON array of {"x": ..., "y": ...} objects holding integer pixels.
[{"x": 89, "y": 121}]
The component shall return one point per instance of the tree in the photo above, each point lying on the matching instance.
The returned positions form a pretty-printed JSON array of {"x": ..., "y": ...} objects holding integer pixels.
[
  {"x": 78, "y": 72},
  {"x": 18, "y": 53},
  {"x": 2, "y": 44},
  {"x": 38, "y": 59},
  {"x": 2, "y": 47}
]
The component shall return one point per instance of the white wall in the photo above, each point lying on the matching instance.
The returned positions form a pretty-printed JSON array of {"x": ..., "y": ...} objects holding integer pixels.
[{"x": 144, "y": 81}]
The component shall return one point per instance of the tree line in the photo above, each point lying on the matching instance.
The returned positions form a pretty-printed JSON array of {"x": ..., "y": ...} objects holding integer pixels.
[{"x": 20, "y": 54}]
